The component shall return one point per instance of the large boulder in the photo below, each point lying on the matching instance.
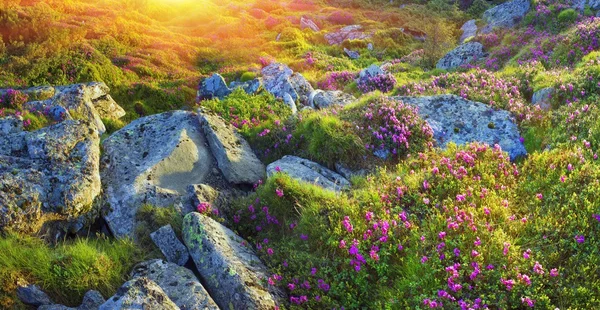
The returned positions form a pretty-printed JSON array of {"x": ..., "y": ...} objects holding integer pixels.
[
  {"x": 464, "y": 54},
  {"x": 232, "y": 273},
  {"x": 505, "y": 15},
  {"x": 454, "y": 119},
  {"x": 308, "y": 171},
  {"x": 301, "y": 86},
  {"x": 234, "y": 155},
  {"x": 352, "y": 32},
  {"x": 323, "y": 99},
  {"x": 276, "y": 80},
  {"x": 153, "y": 160},
  {"x": 137, "y": 294},
  {"x": 51, "y": 170},
  {"x": 179, "y": 283},
  {"x": 469, "y": 30}
]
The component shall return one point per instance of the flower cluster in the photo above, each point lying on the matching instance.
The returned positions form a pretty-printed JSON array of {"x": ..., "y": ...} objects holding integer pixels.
[
  {"x": 336, "y": 80},
  {"x": 381, "y": 82}
]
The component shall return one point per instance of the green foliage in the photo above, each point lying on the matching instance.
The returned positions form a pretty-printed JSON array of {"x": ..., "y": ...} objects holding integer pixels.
[
  {"x": 567, "y": 16},
  {"x": 248, "y": 76},
  {"x": 65, "y": 271}
]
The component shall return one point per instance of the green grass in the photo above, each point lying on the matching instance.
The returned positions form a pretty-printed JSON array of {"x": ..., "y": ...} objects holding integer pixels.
[
  {"x": 149, "y": 219},
  {"x": 65, "y": 271}
]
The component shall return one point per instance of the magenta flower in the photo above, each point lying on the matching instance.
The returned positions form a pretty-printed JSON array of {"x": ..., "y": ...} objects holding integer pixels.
[
  {"x": 580, "y": 238},
  {"x": 554, "y": 272},
  {"x": 279, "y": 192}
]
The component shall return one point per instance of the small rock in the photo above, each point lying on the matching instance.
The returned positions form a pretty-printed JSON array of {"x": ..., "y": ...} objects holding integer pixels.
[
  {"x": 287, "y": 99},
  {"x": 213, "y": 87},
  {"x": 351, "y": 54},
  {"x": 301, "y": 86},
  {"x": 543, "y": 98},
  {"x": 308, "y": 171},
  {"x": 233, "y": 274},
  {"x": 307, "y": 23},
  {"x": 469, "y": 30},
  {"x": 138, "y": 294},
  {"x": 166, "y": 240},
  {"x": 33, "y": 295},
  {"x": 235, "y": 158},
  {"x": 179, "y": 283},
  {"x": 370, "y": 46},
  {"x": 323, "y": 99},
  {"x": 276, "y": 80}
]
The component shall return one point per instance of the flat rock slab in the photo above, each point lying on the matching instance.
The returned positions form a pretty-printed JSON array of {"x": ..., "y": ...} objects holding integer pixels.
[
  {"x": 464, "y": 54},
  {"x": 234, "y": 156},
  {"x": 454, "y": 119},
  {"x": 308, "y": 171},
  {"x": 153, "y": 160},
  {"x": 138, "y": 294},
  {"x": 166, "y": 240},
  {"x": 232, "y": 273},
  {"x": 505, "y": 15},
  {"x": 469, "y": 30},
  {"x": 179, "y": 283}
]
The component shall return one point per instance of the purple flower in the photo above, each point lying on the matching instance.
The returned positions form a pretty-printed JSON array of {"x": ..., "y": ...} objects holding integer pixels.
[{"x": 580, "y": 238}]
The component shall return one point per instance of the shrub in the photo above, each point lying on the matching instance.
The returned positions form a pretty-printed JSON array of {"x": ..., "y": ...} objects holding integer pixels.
[
  {"x": 381, "y": 82},
  {"x": 336, "y": 80},
  {"x": 567, "y": 16},
  {"x": 13, "y": 99},
  {"x": 248, "y": 76}
]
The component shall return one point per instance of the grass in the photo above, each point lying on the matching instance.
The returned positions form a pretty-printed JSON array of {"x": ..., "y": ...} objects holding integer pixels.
[
  {"x": 65, "y": 271},
  {"x": 149, "y": 219}
]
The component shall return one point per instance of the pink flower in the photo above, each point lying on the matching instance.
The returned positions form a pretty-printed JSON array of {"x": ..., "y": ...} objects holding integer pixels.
[
  {"x": 278, "y": 169},
  {"x": 270, "y": 251},
  {"x": 580, "y": 238},
  {"x": 554, "y": 272},
  {"x": 527, "y": 254},
  {"x": 279, "y": 192},
  {"x": 539, "y": 196}
]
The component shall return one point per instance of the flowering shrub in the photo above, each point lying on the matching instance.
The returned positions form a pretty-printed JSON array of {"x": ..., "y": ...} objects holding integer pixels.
[
  {"x": 381, "y": 82},
  {"x": 336, "y": 80},
  {"x": 13, "y": 99},
  {"x": 455, "y": 229}
]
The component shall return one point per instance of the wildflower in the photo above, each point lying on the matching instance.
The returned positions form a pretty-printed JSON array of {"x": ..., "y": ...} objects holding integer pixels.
[
  {"x": 526, "y": 300},
  {"x": 279, "y": 192},
  {"x": 527, "y": 254},
  {"x": 580, "y": 238},
  {"x": 456, "y": 252},
  {"x": 537, "y": 268},
  {"x": 424, "y": 259},
  {"x": 270, "y": 251},
  {"x": 539, "y": 196},
  {"x": 278, "y": 169},
  {"x": 554, "y": 272},
  {"x": 342, "y": 244},
  {"x": 203, "y": 207}
]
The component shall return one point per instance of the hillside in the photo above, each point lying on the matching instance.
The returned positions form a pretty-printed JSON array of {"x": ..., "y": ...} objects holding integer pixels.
[{"x": 299, "y": 154}]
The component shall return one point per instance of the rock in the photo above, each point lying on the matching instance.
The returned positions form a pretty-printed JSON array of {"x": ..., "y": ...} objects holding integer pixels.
[
  {"x": 58, "y": 113},
  {"x": 229, "y": 268},
  {"x": 372, "y": 71},
  {"x": 324, "y": 99},
  {"x": 218, "y": 199},
  {"x": 454, "y": 119},
  {"x": 462, "y": 55},
  {"x": 301, "y": 86},
  {"x": 250, "y": 87},
  {"x": 33, "y": 295},
  {"x": 140, "y": 293},
  {"x": 234, "y": 156},
  {"x": 351, "y": 54},
  {"x": 348, "y": 173},
  {"x": 276, "y": 80},
  {"x": 153, "y": 160},
  {"x": 370, "y": 46},
  {"x": 307, "y": 23},
  {"x": 352, "y": 32},
  {"x": 166, "y": 240},
  {"x": 213, "y": 87},
  {"x": 10, "y": 125},
  {"x": 505, "y": 15},
  {"x": 51, "y": 170},
  {"x": 543, "y": 98},
  {"x": 40, "y": 92},
  {"x": 108, "y": 108},
  {"x": 287, "y": 99},
  {"x": 593, "y": 4},
  {"x": 92, "y": 300},
  {"x": 469, "y": 30},
  {"x": 179, "y": 283},
  {"x": 308, "y": 171}
]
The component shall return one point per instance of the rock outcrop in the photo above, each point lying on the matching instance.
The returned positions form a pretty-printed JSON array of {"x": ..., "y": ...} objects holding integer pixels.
[
  {"x": 308, "y": 171},
  {"x": 178, "y": 283},
  {"x": 173, "y": 250},
  {"x": 153, "y": 160},
  {"x": 140, "y": 293},
  {"x": 323, "y": 99},
  {"x": 216, "y": 87},
  {"x": 51, "y": 170},
  {"x": 454, "y": 119},
  {"x": 464, "y": 54},
  {"x": 505, "y": 15},
  {"x": 232, "y": 273}
]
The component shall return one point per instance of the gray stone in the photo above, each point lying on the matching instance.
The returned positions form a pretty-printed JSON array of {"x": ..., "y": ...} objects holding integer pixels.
[
  {"x": 58, "y": 113},
  {"x": 153, "y": 160},
  {"x": 250, "y": 87},
  {"x": 323, "y": 99},
  {"x": 372, "y": 71},
  {"x": 232, "y": 273},
  {"x": 301, "y": 86},
  {"x": 40, "y": 92},
  {"x": 543, "y": 98},
  {"x": 594, "y": 4},
  {"x": 166, "y": 240},
  {"x": 469, "y": 30},
  {"x": 51, "y": 170},
  {"x": 107, "y": 108},
  {"x": 92, "y": 300},
  {"x": 505, "y": 15},
  {"x": 308, "y": 171},
  {"x": 276, "y": 80},
  {"x": 218, "y": 199},
  {"x": 234, "y": 156},
  {"x": 348, "y": 173},
  {"x": 370, "y": 46},
  {"x": 179, "y": 283},
  {"x": 454, "y": 119},
  {"x": 213, "y": 87},
  {"x": 464, "y": 54},
  {"x": 33, "y": 295},
  {"x": 308, "y": 23},
  {"x": 287, "y": 99},
  {"x": 10, "y": 125},
  {"x": 352, "y": 32},
  {"x": 351, "y": 54},
  {"x": 139, "y": 294}
]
